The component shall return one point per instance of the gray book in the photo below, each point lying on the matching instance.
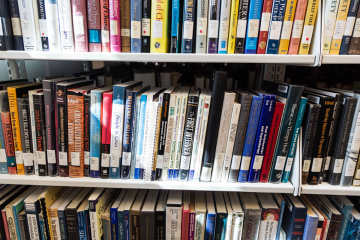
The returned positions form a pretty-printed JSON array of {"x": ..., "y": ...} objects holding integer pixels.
[
  {"x": 245, "y": 99},
  {"x": 201, "y": 26},
  {"x": 252, "y": 212},
  {"x": 147, "y": 215}
]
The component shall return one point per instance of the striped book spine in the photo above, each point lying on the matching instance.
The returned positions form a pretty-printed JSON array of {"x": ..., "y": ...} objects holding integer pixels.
[
  {"x": 105, "y": 28},
  {"x": 136, "y": 18},
  {"x": 253, "y": 26},
  {"x": 287, "y": 26},
  {"x": 233, "y": 24},
  {"x": 330, "y": 18},
  {"x": 264, "y": 26},
  {"x": 114, "y": 16},
  {"x": 349, "y": 27},
  {"x": 80, "y": 26},
  {"x": 298, "y": 27},
  {"x": 309, "y": 23},
  {"x": 276, "y": 26},
  {"x": 339, "y": 27},
  {"x": 94, "y": 25}
]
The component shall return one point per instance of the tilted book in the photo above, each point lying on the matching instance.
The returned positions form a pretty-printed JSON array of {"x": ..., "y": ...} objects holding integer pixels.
[
  {"x": 270, "y": 216},
  {"x": 308, "y": 29},
  {"x": 277, "y": 18},
  {"x": 345, "y": 206},
  {"x": 298, "y": 26},
  {"x": 349, "y": 27}
]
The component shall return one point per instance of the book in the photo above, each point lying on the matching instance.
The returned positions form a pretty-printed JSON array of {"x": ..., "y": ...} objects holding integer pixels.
[
  {"x": 308, "y": 29},
  {"x": 113, "y": 213},
  {"x": 297, "y": 26},
  {"x": 210, "y": 216},
  {"x": 191, "y": 229},
  {"x": 217, "y": 96},
  {"x": 264, "y": 26},
  {"x": 22, "y": 222},
  {"x": 159, "y": 38},
  {"x": 345, "y": 206},
  {"x": 80, "y": 25},
  {"x": 53, "y": 25},
  {"x": 280, "y": 201},
  {"x": 185, "y": 221},
  {"x": 201, "y": 26},
  {"x": 353, "y": 230},
  {"x": 147, "y": 215},
  {"x": 87, "y": 142},
  {"x": 188, "y": 26},
  {"x": 145, "y": 26},
  {"x": 253, "y": 25},
  {"x": 105, "y": 218},
  {"x": 4, "y": 107},
  {"x": 29, "y": 33},
  {"x": 16, "y": 25},
  {"x": 269, "y": 216},
  {"x": 94, "y": 25},
  {"x": 213, "y": 26},
  {"x": 135, "y": 28},
  {"x": 176, "y": 26},
  {"x": 135, "y": 210},
  {"x": 354, "y": 41},
  {"x": 174, "y": 214},
  {"x": 236, "y": 210},
  {"x": 313, "y": 222},
  {"x": 221, "y": 216},
  {"x": 104, "y": 24},
  {"x": 200, "y": 214},
  {"x": 125, "y": 25},
  {"x": 115, "y": 34},
  {"x": 275, "y": 29},
  {"x": 8, "y": 141},
  {"x": 252, "y": 215},
  {"x": 349, "y": 27},
  {"x": 7, "y": 30},
  {"x": 294, "y": 217},
  {"x": 233, "y": 20},
  {"x": 128, "y": 200},
  {"x": 224, "y": 26},
  {"x": 66, "y": 33},
  {"x": 241, "y": 26},
  {"x": 322, "y": 216},
  {"x": 160, "y": 215},
  {"x": 331, "y": 9},
  {"x": 287, "y": 27}
]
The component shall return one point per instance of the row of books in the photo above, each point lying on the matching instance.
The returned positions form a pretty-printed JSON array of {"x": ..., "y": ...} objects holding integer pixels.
[
  {"x": 219, "y": 26},
  {"x": 32, "y": 212}
]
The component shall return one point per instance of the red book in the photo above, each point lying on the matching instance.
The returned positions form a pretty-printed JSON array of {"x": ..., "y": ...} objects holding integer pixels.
[
  {"x": 192, "y": 217},
  {"x": 105, "y": 26},
  {"x": 3, "y": 213},
  {"x": 185, "y": 216},
  {"x": 106, "y": 133},
  {"x": 9, "y": 142},
  {"x": 264, "y": 26},
  {"x": 270, "y": 147}
]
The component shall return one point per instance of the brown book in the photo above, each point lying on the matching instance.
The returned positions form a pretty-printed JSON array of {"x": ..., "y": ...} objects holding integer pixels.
[
  {"x": 354, "y": 48},
  {"x": 135, "y": 215},
  {"x": 125, "y": 21},
  {"x": 76, "y": 131}
]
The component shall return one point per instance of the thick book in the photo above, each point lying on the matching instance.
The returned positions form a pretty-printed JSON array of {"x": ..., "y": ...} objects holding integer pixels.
[
  {"x": 297, "y": 26},
  {"x": 264, "y": 26},
  {"x": 213, "y": 26},
  {"x": 349, "y": 27},
  {"x": 16, "y": 25},
  {"x": 354, "y": 47},
  {"x": 188, "y": 27},
  {"x": 294, "y": 217},
  {"x": 185, "y": 216},
  {"x": 105, "y": 26},
  {"x": 176, "y": 26},
  {"x": 94, "y": 25},
  {"x": 159, "y": 38},
  {"x": 277, "y": 18},
  {"x": 353, "y": 230},
  {"x": 224, "y": 26},
  {"x": 270, "y": 216},
  {"x": 221, "y": 216},
  {"x": 136, "y": 21},
  {"x": 252, "y": 213},
  {"x": 287, "y": 27},
  {"x": 217, "y": 97},
  {"x": 113, "y": 213},
  {"x": 308, "y": 29},
  {"x": 147, "y": 215},
  {"x": 233, "y": 20},
  {"x": 345, "y": 206},
  {"x": 201, "y": 26},
  {"x": 331, "y": 10},
  {"x": 80, "y": 25},
  {"x": 241, "y": 26},
  {"x": 125, "y": 25},
  {"x": 8, "y": 141},
  {"x": 135, "y": 210},
  {"x": 340, "y": 26},
  {"x": 27, "y": 21},
  {"x": 66, "y": 33},
  {"x": 253, "y": 26},
  {"x": 115, "y": 34}
]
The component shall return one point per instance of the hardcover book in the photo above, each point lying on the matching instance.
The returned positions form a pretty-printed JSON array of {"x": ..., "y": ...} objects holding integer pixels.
[
  {"x": 16, "y": 25},
  {"x": 27, "y": 21},
  {"x": 136, "y": 20},
  {"x": 340, "y": 26},
  {"x": 270, "y": 216},
  {"x": 185, "y": 215},
  {"x": 201, "y": 26},
  {"x": 200, "y": 214},
  {"x": 264, "y": 26},
  {"x": 210, "y": 216},
  {"x": 345, "y": 206},
  {"x": 241, "y": 26},
  {"x": 233, "y": 26},
  {"x": 145, "y": 26},
  {"x": 115, "y": 34},
  {"x": 277, "y": 18},
  {"x": 349, "y": 27},
  {"x": 147, "y": 215},
  {"x": 80, "y": 25},
  {"x": 353, "y": 229},
  {"x": 221, "y": 216},
  {"x": 287, "y": 26},
  {"x": 176, "y": 26},
  {"x": 105, "y": 28},
  {"x": 308, "y": 29},
  {"x": 252, "y": 213},
  {"x": 331, "y": 10},
  {"x": 8, "y": 141},
  {"x": 213, "y": 26},
  {"x": 159, "y": 38},
  {"x": 188, "y": 26},
  {"x": 113, "y": 213},
  {"x": 7, "y": 39},
  {"x": 297, "y": 27},
  {"x": 105, "y": 133},
  {"x": 125, "y": 25},
  {"x": 87, "y": 143},
  {"x": 66, "y": 33},
  {"x": 313, "y": 222},
  {"x": 224, "y": 26},
  {"x": 4, "y": 107},
  {"x": 253, "y": 25},
  {"x": 94, "y": 25},
  {"x": 354, "y": 47},
  {"x": 294, "y": 217},
  {"x": 135, "y": 227}
]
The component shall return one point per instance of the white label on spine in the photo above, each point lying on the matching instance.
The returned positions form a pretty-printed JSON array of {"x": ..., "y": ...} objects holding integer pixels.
[
  {"x": 41, "y": 157},
  {"x": 357, "y": 28},
  {"x": 245, "y": 163},
  {"x": 280, "y": 163},
  {"x": 188, "y": 30},
  {"x": 329, "y": 27},
  {"x": 265, "y": 22},
  {"x": 157, "y": 29},
  {"x": 51, "y": 156},
  {"x": 356, "y": 182},
  {"x": 357, "y": 174},
  {"x": 327, "y": 163},
  {"x": 43, "y": 28},
  {"x": 253, "y": 30},
  {"x": 1, "y": 29},
  {"x": 201, "y": 26},
  {"x": 79, "y": 25},
  {"x": 275, "y": 30},
  {"x": 219, "y": 159},
  {"x": 116, "y": 134},
  {"x": 339, "y": 29},
  {"x": 159, "y": 161},
  {"x": 28, "y": 159},
  {"x": 213, "y": 29},
  {"x": 241, "y": 29},
  {"x": 355, "y": 145},
  {"x": 138, "y": 161},
  {"x": 297, "y": 28},
  {"x": 3, "y": 155},
  {"x": 105, "y": 160},
  {"x": 19, "y": 157},
  {"x": 350, "y": 21},
  {"x": 235, "y": 163},
  {"x": 33, "y": 226},
  {"x": 63, "y": 160},
  {"x": 135, "y": 29},
  {"x": 185, "y": 162},
  {"x": 288, "y": 164},
  {"x": 350, "y": 168},
  {"x": 86, "y": 157},
  {"x": 338, "y": 165},
  {"x": 227, "y": 161},
  {"x": 258, "y": 162},
  {"x": 94, "y": 164},
  {"x": 286, "y": 30},
  {"x": 125, "y": 32},
  {"x": 75, "y": 159},
  {"x": 306, "y": 166},
  {"x": 126, "y": 158},
  {"x": 105, "y": 36},
  {"x": 113, "y": 28},
  {"x": 316, "y": 165},
  {"x": 145, "y": 27},
  {"x": 224, "y": 29},
  {"x": 307, "y": 34},
  {"x": 15, "y": 22}
]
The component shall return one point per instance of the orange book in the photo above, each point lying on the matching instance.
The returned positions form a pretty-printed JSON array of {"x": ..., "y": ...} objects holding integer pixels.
[
  {"x": 9, "y": 142},
  {"x": 105, "y": 33}
]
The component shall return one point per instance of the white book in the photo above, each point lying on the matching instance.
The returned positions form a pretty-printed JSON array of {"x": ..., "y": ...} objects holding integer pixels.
[
  {"x": 331, "y": 9},
  {"x": 66, "y": 30},
  {"x": 52, "y": 21},
  {"x": 230, "y": 141},
  {"x": 33, "y": 128},
  {"x": 224, "y": 26},
  {"x": 200, "y": 214},
  {"x": 174, "y": 215},
  {"x": 203, "y": 131},
  {"x": 201, "y": 26},
  {"x": 37, "y": 24},
  {"x": 238, "y": 216},
  {"x": 230, "y": 219},
  {"x": 228, "y": 105},
  {"x": 28, "y": 25}
]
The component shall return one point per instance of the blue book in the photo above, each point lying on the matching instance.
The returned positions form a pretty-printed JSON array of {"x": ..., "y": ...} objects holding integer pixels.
[
  {"x": 42, "y": 227},
  {"x": 221, "y": 216},
  {"x": 62, "y": 222},
  {"x": 277, "y": 17},
  {"x": 262, "y": 135},
  {"x": 210, "y": 217},
  {"x": 349, "y": 27},
  {"x": 294, "y": 209},
  {"x": 188, "y": 26},
  {"x": 353, "y": 230},
  {"x": 279, "y": 199},
  {"x": 253, "y": 25},
  {"x": 311, "y": 224},
  {"x": 81, "y": 224},
  {"x": 114, "y": 214},
  {"x": 136, "y": 18},
  {"x": 32, "y": 209},
  {"x": 176, "y": 22},
  {"x": 345, "y": 206},
  {"x": 15, "y": 16},
  {"x": 127, "y": 224},
  {"x": 117, "y": 124},
  {"x": 121, "y": 232},
  {"x": 140, "y": 136},
  {"x": 250, "y": 138},
  {"x": 295, "y": 137},
  {"x": 87, "y": 222}
]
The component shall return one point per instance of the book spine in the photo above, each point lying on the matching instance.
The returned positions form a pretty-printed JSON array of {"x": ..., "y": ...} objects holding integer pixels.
[
  {"x": 253, "y": 26},
  {"x": 276, "y": 26},
  {"x": 173, "y": 216},
  {"x": 140, "y": 136},
  {"x": 43, "y": 26},
  {"x": 8, "y": 31},
  {"x": 191, "y": 235},
  {"x": 23, "y": 226},
  {"x": 5, "y": 224},
  {"x": 175, "y": 39},
  {"x": 309, "y": 23},
  {"x": 114, "y": 17},
  {"x": 135, "y": 136},
  {"x": 106, "y": 134},
  {"x": 28, "y": 25},
  {"x": 241, "y": 26},
  {"x": 349, "y": 27},
  {"x": 335, "y": 225},
  {"x": 145, "y": 26},
  {"x": 28, "y": 158},
  {"x": 330, "y": 19},
  {"x": 83, "y": 234},
  {"x": 53, "y": 26},
  {"x": 159, "y": 39},
  {"x": 340, "y": 26},
  {"x": 173, "y": 138},
  {"x": 95, "y": 134},
  {"x": 297, "y": 26},
  {"x": 104, "y": 24},
  {"x": 32, "y": 220},
  {"x": 114, "y": 223},
  {"x": 233, "y": 25},
  {"x": 224, "y": 26},
  {"x": 72, "y": 224},
  {"x": 61, "y": 105},
  {"x": 187, "y": 143},
  {"x": 55, "y": 224},
  {"x": 66, "y": 32},
  {"x": 237, "y": 225},
  {"x": 354, "y": 47},
  {"x": 160, "y": 225},
  {"x": 127, "y": 224},
  {"x": 63, "y": 225},
  {"x": 210, "y": 226},
  {"x": 294, "y": 140},
  {"x": 135, "y": 226},
  {"x": 94, "y": 25},
  {"x": 188, "y": 26},
  {"x": 136, "y": 20},
  {"x": 269, "y": 217},
  {"x": 270, "y": 146},
  {"x": 16, "y": 25},
  {"x": 80, "y": 25},
  {"x": 264, "y": 26},
  {"x": 33, "y": 133},
  {"x": 121, "y": 227},
  {"x": 185, "y": 224},
  {"x": 220, "y": 226},
  {"x": 201, "y": 26},
  {"x": 266, "y": 116},
  {"x": 87, "y": 141},
  {"x": 353, "y": 229},
  {"x": 125, "y": 25},
  {"x": 9, "y": 144},
  {"x": 250, "y": 138},
  {"x": 40, "y": 135},
  {"x": 252, "y": 223},
  {"x": 213, "y": 26},
  {"x": 3, "y": 156},
  {"x": 287, "y": 26}
]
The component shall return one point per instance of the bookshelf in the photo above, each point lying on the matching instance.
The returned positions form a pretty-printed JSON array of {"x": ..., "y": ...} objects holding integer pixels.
[
  {"x": 340, "y": 59},
  {"x": 326, "y": 188}
]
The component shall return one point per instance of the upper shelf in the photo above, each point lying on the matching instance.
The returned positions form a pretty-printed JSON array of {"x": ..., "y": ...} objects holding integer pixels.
[{"x": 161, "y": 57}]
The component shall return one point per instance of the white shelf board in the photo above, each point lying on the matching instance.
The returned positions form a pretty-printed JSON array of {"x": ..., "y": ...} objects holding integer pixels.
[
  {"x": 140, "y": 184},
  {"x": 161, "y": 57},
  {"x": 340, "y": 59},
  {"x": 326, "y": 188}
]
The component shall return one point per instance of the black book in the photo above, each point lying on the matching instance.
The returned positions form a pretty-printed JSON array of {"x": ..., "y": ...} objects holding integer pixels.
[
  {"x": 217, "y": 99},
  {"x": 309, "y": 126},
  {"x": 5, "y": 84},
  {"x": 7, "y": 37},
  {"x": 15, "y": 19},
  {"x": 147, "y": 216},
  {"x": 87, "y": 104},
  {"x": 322, "y": 134},
  {"x": 160, "y": 216},
  {"x": 26, "y": 138},
  {"x": 40, "y": 133},
  {"x": 42, "y": 18},
  {"x": 341, "y": 139},
  {"x": 146, "y": 22},
  {"x": 245, "y": 99},
  {"x": 242, "y": 16},
  {"x": 23, "y": 227},
  {"x": 188, "y": 138}
]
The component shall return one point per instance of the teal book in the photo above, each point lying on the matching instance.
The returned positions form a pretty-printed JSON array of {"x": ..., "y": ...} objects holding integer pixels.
[
  {"x": 345, "y": 206},
  {"x": 221, "y": 216}
]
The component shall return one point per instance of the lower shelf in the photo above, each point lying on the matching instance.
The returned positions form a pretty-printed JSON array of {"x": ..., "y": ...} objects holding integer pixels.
[
  {"x": 140, "y": 184},
  {"x": 326, "y": 188}
]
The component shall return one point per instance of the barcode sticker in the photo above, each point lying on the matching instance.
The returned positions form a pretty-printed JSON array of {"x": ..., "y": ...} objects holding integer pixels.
[
  {"x": 283, "y": 88},
  {"x": 357, "y": 174},
  {"x": 75, "y": 159},
  {"x": 275, "y": 30},
  {"x": 288, "y": 164},
  {"x": 145, "y": 25},
  {"x": 138, "y": 161},
  {"x": 201, "y": 26},
  {"x": 135, "y": 29},
  {"x": 41, "y": 157},
  {"x": 51, "y": 156},
  {"x": 28, "y": 159},
  {"x": 157, "y": 29},
  {"x": 105, "y": 160},
  {"x": 307, "y": 34},
  {"x": 338, "y": 165},
  {"x": 188, "y": 30},
  {"x": 280, "y": 163},
  {"x": 350, "y": 168},
  {"x": 185, "y": 162},
  {"x": 329, "y": 27},
  {"x": 316, "y": 165},
  {"x": 63, "y": 159},
  {"x": 86, "y": 157},
  {"x": 105, "y": 36},
  {"x": 356, "y": 28},
  {"x": 339, "y": 29},
  {"x": 258, "y": 162},
  {"x": 78, "y": 25},
  {"x": 3, "y": 155},
  {"x": 224, "y": 30},
  {"x": 126, "y": 158},
  {"x": 43, "y": 28},
  {"x": 286, "y": 30},
  {"x": 219, "y": 159},
  {"x": 114, "y": 160},
  {"x": 350, "y": 21},
  {"x": 213, "y": 29},
  {"x": 245, "y": 163},
  {"x": 125, "y": 32},
  {"x": 306, "y": 166},
  {"x": 16, "y": 26},
  {"x": 113, "y": 28},
  {"x": 327, "y": 163},
  {"x": 241, "y": 29},
  {"x": 253, "y": 30},
  {"x": 159, "y": 161},
  {"x": 227, "y": 161},
  {"x": 94, "y": 164},
  {"x": 265, "y": 21},
  {"x": 297, "y": 28},
  {"x": 235, "y": 164}
]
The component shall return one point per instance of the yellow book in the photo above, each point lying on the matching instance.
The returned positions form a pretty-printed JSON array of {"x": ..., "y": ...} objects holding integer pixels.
[
  {"x": 159, "y": 37},
  {"x": 287, "y": 26},
  {"x": 156, "y": 139},
  {"x": 339, "y": 27},
  {"x": 233, "y": 24},
  {"x": 309, "y": 23}
]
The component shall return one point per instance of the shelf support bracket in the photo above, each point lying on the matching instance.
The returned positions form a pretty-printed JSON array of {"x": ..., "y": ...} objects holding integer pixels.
[{"x": 16, "y": 69}]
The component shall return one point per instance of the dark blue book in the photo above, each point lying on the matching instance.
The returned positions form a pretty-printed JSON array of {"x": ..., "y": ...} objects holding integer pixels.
[
  {"x": 349, "y": 27},
  {"x": 294, "y": 217},
  {"x": 114, "y": 216},
  {"x": 176, "y": 22},
  {"x": 252, "y": 127},
  {"x": 262, "y": 135},
  {"x": 277, "y": 18},
  {"x": 15, "y": 17},
  {"x": 221, "y": 216},
  {"x": 210, "y": 216},
  {"x": 279, "y": 199},
  {"x": 188, "y": 26}
]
